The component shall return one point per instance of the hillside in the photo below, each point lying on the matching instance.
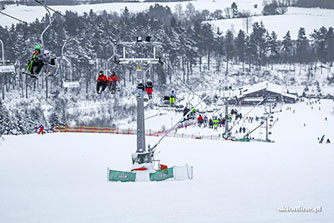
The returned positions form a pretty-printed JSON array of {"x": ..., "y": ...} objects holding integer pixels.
[
  {"x": 308, "y": 18},
  {"x": 31, "y": 13}
]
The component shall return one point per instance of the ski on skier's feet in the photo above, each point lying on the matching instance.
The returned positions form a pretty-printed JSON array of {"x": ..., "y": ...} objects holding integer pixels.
[{"x": 30, "y": 75}]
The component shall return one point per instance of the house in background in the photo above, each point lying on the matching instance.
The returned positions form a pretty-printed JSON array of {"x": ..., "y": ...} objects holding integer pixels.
[{"x": 264, "y": 92}]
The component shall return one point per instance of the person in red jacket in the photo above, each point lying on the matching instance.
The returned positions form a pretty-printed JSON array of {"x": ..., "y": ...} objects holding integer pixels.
[
  {"x": 113, "y": 79},
  {"x": 102, "y": 82},
  {"x": 149, "y": 87},
  {"x": 200, "y": 120},
  {"x": 41, "y": 130}
]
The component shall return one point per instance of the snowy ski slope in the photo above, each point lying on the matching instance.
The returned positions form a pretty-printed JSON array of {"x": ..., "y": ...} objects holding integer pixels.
[
  {"x": 62, "y": 177},
  {"x": 295, "y": 18}
]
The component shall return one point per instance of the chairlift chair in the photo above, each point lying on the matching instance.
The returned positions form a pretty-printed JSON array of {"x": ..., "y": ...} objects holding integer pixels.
[
  {"x": 6, "y": 67},
  {"x": 69, "y": 83}
]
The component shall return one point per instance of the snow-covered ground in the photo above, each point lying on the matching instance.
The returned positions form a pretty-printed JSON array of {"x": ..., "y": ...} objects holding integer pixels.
[
  {"x": 62, "y": 177},
  {"x": 308, "y": 18},
  {"x": 31, "y": 13}
]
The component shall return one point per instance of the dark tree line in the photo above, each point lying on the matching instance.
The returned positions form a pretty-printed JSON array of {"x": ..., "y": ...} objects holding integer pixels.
[
  {"x": 77, "y": 2},
  {"x": 328, "y": 4},
  {"x": 186, "y": 40},
  {"x": 188, "y": 44}
]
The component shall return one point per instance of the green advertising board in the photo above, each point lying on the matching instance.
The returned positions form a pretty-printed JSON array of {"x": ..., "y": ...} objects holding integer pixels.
[
  {"x": 161, "y": 175},
  {"x": 115, "y": 175}
]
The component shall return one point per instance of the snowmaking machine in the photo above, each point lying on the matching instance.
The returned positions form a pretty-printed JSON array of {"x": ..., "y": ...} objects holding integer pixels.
[{"x": 145, "y": 167}]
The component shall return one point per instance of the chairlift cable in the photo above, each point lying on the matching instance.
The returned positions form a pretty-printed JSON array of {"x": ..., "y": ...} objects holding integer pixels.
[
  {"x": 175, "y": 126},
  {"x": 55, "y": 11},
  {"x": 13, "y": 17}
]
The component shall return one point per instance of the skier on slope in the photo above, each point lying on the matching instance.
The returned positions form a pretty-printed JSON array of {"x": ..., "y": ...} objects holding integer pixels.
[
  {"x": 322, "y": 139},
  {"x": 113, "y": 79},
  {"x": 149, "y": 87},
  {"x": 41, "y": 130},
  {"x": 101, "y": 82},
  {"x": 140, "y": 89},
  {"x": 36, "y": 63}
]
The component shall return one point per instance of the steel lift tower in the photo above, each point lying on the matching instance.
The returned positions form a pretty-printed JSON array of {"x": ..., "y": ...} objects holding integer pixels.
[{"x": 142, "y": 159}]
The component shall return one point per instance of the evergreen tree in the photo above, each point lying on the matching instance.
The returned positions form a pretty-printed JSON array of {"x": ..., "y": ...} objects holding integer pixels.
[
  {"x": 6, "y": 124},
  {"x": 329, "y": 44},
  {"x": 302, "y": 46},
  {"x": 54, "y": 121},
  {"x": 273, "y": 48},
  {"x": 287, "y": 49},
  {"x": 234, "y": 8},
  {"x": 241, "y": 47},
  {"x": 229, "y": 48},
  {"x": 319, "y": 41},
  {"x": 259, "y": 40}
]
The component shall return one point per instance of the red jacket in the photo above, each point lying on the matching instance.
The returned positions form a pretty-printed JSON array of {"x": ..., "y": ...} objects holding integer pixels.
[
  {"x": 102, "y": 78},
  {"x": 113, "y": 78},
  {"x": 200, "y": 118}
]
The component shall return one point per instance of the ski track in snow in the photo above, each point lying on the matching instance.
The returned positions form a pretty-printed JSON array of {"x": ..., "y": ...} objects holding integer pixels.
[{"x": 62, "y": 177}]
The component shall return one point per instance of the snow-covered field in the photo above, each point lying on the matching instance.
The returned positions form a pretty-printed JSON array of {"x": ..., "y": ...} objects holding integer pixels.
[
  {"x": 62, "y": 177},
  {"x": 31, "y": 13},
  {"x": 295, "y": 18}
]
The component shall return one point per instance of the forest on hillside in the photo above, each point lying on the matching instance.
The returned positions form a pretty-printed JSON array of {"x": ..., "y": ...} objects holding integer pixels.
[
  {"x": 187, "y": 42},
  {"x": 186, "y": 39},
  {"x": 327, "y": 4},
  {"x": 77, "y": 2}
]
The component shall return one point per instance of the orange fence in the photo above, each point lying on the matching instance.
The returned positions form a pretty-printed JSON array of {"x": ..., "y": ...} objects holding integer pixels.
[{"x": 175, "y": 134}]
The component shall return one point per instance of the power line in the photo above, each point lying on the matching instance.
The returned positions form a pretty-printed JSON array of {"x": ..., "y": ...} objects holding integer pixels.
[
  {"x": 55, "y": 11},
  {"x": 13, "y": 17}
]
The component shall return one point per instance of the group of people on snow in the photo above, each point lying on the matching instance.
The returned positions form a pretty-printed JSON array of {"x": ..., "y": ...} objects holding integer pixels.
[
  {"x": 212, "y": 123},
  {"x": 321, "y": 140}
]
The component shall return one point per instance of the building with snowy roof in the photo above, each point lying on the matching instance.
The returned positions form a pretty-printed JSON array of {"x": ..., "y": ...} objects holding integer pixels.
[{"x": 264, "y": 92}]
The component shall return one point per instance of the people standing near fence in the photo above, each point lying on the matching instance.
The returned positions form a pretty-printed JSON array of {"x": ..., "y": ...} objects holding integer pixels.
[
  {"x": 215, "y": 124},
  {"x": 210, "y": 123},
  {"x": 200, "y": 120},
  {"x": 205, "y": 121}
]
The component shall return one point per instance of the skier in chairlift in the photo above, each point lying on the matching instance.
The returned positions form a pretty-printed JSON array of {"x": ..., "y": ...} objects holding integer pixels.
[
  {"x": 36, "y": 63},
  {"x": 140, "y": 89},
  {"x": 113, "y": 79},
  {"x": 102, "y": 82},
  {"x": 172, "y": 98},
  {"x": 149, "y": 87}
]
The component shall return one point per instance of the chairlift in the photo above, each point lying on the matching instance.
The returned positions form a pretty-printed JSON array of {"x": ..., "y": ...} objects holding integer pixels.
[
  {"x": 6, "y": 67},
  {"x": 69, "y": 83},
  {"x": 52, "y": 61}
]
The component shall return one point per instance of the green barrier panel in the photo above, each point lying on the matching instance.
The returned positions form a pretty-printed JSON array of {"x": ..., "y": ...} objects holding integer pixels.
[
  {"x": 161, "y": 175},
  {"x": 115, "y": 175}
]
